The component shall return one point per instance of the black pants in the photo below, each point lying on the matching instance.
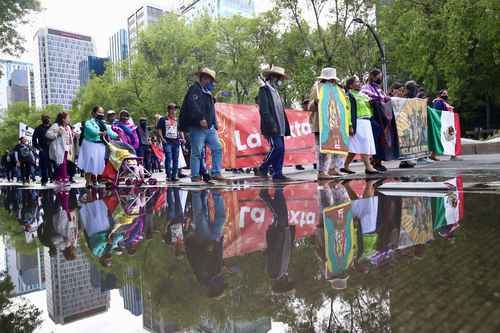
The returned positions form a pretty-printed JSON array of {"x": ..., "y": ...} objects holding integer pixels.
[
  {"x": 25, "y": 171},
  {"x": 45, "y": 165},
  {"x": 71, "y": 166},
  {"x": 145, "y": 152}
]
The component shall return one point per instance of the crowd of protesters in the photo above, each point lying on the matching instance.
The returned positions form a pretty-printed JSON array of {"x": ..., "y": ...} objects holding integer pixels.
[{"x": 59, "y": 150}]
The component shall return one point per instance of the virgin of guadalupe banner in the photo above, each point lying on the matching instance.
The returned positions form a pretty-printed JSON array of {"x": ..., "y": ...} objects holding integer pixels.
[
  {"x": 340, "y": 239},
  {"x": 334, "y": 116},
  {"x": 411, "y": 123}
]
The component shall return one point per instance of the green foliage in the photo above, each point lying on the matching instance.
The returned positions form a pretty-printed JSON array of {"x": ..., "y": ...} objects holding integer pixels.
[
  {"x": 12, "y": 14},
  {"x": 19, "y": 316},
  {"x": 170, "y": 52},
  {"x": 21, "y": 112},
  {"x": 453, "y": 44}
]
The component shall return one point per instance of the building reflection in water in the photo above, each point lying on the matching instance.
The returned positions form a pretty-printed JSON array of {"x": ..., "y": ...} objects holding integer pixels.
[{"x": 207, "y": 241}]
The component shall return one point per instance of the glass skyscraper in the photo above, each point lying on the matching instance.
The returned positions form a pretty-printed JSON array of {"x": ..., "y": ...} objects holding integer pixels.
[
  {"x": 16, "y": 83},
  {"x": 91, "y": 65},
  {"x": 57, "y": 58},
  {"x": 118, "y": 49}
]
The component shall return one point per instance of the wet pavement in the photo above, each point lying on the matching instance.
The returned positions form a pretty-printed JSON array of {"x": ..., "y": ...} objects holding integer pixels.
[{"x": 342, "y": 256}]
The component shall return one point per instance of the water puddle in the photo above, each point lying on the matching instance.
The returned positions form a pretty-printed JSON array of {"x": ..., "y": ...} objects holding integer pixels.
[{"x": 306, "y": 257}]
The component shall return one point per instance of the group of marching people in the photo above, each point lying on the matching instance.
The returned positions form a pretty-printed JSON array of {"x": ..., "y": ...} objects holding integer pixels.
[
  {"x": 366, "y": 120},
  {"x": 63, "y": 148}
]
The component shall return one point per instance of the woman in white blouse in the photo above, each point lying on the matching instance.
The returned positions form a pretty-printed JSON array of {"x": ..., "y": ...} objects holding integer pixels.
[{"x": 61, "y": 147}]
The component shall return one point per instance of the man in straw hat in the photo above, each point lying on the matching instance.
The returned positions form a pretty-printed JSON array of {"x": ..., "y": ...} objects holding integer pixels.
[
  {"x": 273, "y": 122},
  {"x": 197, "y": 117},
  {"x": 325, "y": 161}
]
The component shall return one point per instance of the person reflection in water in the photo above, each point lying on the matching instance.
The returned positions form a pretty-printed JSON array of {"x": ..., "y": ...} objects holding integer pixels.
[
  {"x": 65, "y": 224},
  {"x": 280, "y": 237},
  {"x": 176, "y": 228},
  {"x": 204, "y": 246},
  {"x": 96, "y": 223}
]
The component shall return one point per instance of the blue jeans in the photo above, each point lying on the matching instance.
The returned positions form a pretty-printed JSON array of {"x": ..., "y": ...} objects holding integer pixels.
[
  {"x": 205, "y": 228},
  {"x": 171, "y": 151},
  {"x": 199, "y": 138},
  {"x": 275, "y": 157}
]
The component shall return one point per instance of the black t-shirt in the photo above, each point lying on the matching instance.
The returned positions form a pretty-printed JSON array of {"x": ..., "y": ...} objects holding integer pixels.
[{"x": 169, "y": 129}]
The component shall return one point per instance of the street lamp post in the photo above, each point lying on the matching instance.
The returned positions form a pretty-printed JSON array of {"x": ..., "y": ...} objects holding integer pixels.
[{"x": 380, "y": 48}]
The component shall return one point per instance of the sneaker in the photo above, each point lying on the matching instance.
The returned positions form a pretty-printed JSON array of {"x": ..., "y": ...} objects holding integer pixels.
[
  {"x": 219, "y": 178},
  {"x": 174, "y": 179},
  {"x": 406, "y": 165},
  {"x": 196, "y": 179},
  {"x": 380, "y": 168},
  {"x": 259, "y": 173},
  {"x": 206, "y": 177}
]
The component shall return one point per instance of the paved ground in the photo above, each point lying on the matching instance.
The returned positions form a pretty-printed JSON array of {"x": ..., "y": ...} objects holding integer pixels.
[{"x": 477, "y": 171}]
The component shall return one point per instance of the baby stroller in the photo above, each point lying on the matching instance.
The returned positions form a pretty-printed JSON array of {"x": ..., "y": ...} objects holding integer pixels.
[{"x": 123, "y": 166}]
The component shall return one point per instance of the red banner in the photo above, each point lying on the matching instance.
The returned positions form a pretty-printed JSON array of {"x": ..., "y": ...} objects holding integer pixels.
[
  {"x": 244, "y": 146},
  {"x": 249, "y": 217}
]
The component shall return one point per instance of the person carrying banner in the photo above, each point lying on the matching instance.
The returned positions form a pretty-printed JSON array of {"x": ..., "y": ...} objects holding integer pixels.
[
  {"x": 361, "y": 139},
  {"x": 273, "y": 122},
  {"x": 197, "y": 117},
  {"x": 441, "y": 103},
  {"x": 377, "y": 96},
  {"x": 324, "y": 159}
]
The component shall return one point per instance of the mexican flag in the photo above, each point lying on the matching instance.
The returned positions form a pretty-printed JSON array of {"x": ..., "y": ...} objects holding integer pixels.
[
  {"x": 448, "y": 209},
  {"x": 444, "y": 132}
]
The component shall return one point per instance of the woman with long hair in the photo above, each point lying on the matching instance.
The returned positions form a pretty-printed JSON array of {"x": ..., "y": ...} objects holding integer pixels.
[{"x": 61, "y": 147}]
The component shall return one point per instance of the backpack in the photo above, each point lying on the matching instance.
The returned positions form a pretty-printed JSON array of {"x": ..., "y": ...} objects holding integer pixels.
[{"x": 25, "y": 154}]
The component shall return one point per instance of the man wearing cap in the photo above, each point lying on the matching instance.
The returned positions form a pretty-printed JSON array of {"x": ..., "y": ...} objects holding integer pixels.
[
  {"x": 273, "y": 122},
  {"x": 328, "y": 74},
  {"x": 197, "y": 117},
  {"x": 171, "y": 139}
]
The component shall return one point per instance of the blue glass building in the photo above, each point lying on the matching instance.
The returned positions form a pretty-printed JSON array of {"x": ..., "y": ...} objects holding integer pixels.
[{"x": 91, "y": 65}]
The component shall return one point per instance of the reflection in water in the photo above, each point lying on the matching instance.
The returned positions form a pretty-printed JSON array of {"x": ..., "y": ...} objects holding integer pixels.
[{"x": 224, "y": 261}]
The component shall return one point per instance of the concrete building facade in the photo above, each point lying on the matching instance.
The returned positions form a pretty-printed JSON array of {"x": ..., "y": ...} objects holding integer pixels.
[{"x": 57, "y": 59}]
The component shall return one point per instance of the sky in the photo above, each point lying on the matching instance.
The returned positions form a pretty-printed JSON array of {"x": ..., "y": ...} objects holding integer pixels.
[{"x": 96, "y": 18}]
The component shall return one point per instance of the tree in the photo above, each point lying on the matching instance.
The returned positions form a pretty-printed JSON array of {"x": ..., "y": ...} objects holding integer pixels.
[
  {"x": 21, "y": 112},
  {"x": 452, "y": 43},
  {"x": 16, "y": 317},
  {"x": 12, "y": 14}
]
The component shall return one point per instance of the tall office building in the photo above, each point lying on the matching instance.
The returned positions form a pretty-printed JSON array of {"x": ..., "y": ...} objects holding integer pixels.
[
  {"x": 131, "y": 294},
  {"x": 91, "y": 65},
  {"x": 140, "y": 20},
  {"x": 70, "y": 294},
  {"x": 118, "y": 50},
  {"x": 217, "y": 8},
  {"x": 25, "y": 271},
  {"x": 16, "y": 83},
  {"x": 57, "y": 58}
]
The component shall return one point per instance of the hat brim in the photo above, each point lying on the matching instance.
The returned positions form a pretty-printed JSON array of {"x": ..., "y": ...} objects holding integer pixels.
[
  {"x": 328, "y": 78},
  {"x": 202, "y": 72},
  {"x": 268, "y": 72}
]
